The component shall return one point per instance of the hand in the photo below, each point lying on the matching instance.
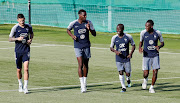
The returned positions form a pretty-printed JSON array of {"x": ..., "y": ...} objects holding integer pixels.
[
  {"x": 140, "y": 50},
  {"x": 117, "y": 52},
  {"x": 157, "y": 48},
  {"x": 74, "y": 37},
  {"x": 29, "y": 41},
  {"x": 20, "y": 38},
  {"x": 129, "y": 56},
  {"x": 88, "y": 26}
]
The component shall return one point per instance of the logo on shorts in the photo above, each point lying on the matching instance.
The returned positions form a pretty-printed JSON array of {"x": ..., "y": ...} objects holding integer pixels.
[
  {"x": 28, "y": 54},
  {"x": 82, "y": 36}
]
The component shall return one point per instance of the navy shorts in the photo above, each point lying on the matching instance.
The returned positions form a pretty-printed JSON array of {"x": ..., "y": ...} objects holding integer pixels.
[{"x": 21, "y": 57}]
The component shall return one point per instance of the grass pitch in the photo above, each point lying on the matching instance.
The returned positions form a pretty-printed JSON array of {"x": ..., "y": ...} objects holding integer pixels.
[{"x": 54, "y": 78}]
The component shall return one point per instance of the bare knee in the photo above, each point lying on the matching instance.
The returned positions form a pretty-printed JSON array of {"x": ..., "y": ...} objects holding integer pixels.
[
  {"x": 121, "y": 72},
  {"x": 146, "y": 73}
]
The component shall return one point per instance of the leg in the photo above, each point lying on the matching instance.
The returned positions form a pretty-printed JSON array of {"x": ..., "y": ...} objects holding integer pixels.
[
  {"x": 154, "y": 78},
  {"x": 128, "y": 73},
  {"x": 145, "y": 75},
  {"x": 146, "y": 67},
  {"x": 85, "y": 67},
  {"x": 19, "y": 68},
  {"x": 80, "y": 72},
  {"x": 128, "y": 79},
  {"x": 26, "y": 76},
  {"x": 121, "y": 78},
  {"x": 19, "y": 73},
  {"x": 80, "y": 66},
  {"x": 85, "y": 71},
  {"x": 156, "y": 67}
]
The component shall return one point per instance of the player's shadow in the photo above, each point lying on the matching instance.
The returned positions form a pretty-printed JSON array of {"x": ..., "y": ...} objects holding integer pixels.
[
  {"x": 167, "y": 87},
  {"x": 89, "y": 88}
]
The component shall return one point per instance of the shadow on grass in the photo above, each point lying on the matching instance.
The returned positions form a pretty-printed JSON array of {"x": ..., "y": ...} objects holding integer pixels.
[
  {"x": 109, "y": 87},
  {"x": 89, "y": 88}
]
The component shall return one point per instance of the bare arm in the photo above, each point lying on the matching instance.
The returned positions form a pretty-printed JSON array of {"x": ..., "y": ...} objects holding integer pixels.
[
  {"x": 30, "y": 40},
  {"x": 160, "y": 46},
  {"x": 12, "y": 39},
  {"x": 70, "y": 34},
  {"x": 140, "y": 47},
  {"x": 115, "y": 51},
  {"x": 132, "y": 51}
]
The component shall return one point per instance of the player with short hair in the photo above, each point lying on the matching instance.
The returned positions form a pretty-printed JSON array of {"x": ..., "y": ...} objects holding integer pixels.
[
  {"x": 20, "y": 35},
  {"x": 149, "y": 37},
  {"x": 82, "y": 45},
  {"x": 122, "y": 40}
]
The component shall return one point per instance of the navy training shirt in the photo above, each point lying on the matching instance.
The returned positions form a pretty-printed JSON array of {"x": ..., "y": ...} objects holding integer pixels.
[
  {"x": 82, "y": 33},
  {"x": 150, "y": 41},
  {"x": 18, "y": 31},
  {"x": 122, "y": 45}
]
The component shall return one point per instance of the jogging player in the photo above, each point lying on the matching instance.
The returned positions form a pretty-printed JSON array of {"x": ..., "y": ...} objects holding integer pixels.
[
  {"x": 22, "y": 35},
  {"x": 149, "y": 37},
  {"x": 122, "y": 41},
  {"x": 81, "y": 28}
]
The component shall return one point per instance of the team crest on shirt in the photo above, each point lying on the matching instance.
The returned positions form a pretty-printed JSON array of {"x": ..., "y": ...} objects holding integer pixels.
[
  {"x": 151, "y": 42},
  {"x": 27, "y": 29},
  {"x": 82, "y": 36},
  {"x": 154, "y": 36},
  {"x": 125, "y": 40}
]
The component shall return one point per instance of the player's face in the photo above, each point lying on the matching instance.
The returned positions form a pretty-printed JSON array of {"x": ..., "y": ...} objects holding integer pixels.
[
  {"x": 148, "y": 27},
  {"x": 82, "y": 16},
  {"x": 119, "y": 29},
  {"x": 21, "y": 21}
]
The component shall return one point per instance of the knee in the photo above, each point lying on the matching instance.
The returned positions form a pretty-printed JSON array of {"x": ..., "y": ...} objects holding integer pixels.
[
  {"x": 146, "y": 75},
  {"x": 19, "y": 70},
  {"x": 121, "y": 72},
  {"x": 26, "y": 70},
  {"x": 155, "y": 72}
]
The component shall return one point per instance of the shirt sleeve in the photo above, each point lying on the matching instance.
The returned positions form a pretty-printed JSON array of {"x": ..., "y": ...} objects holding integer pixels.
[
  {"x": 13, "y": 31},
  {"x": 91, "y": 25},
  {"x": 112, "y": 42},
  {"x": 142, "y": 35},
  {"x": 131, "y": 40},
  {"x": 71, "y": 25},
  {"x": 30, "y": 29},
  {"x": 160, "y": 36}
]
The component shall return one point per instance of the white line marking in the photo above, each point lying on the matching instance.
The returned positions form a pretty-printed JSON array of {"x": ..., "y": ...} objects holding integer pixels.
[
  {"x": 88, "y": 84},
  {"x": 51, "y": 45}
]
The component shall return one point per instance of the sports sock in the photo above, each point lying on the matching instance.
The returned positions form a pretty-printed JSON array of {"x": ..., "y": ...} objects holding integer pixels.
[
  {"x": 25, "y": 83},
  {"x": 151, "y": 87},
  {"x": 121, "y": 78},
  {"x": 81, "y": 81},
  {"x": 20, "y": 81},
  {"x": 128, "y": 79},
  {"x": 85, "y": 81},
  {"x": 145, "y": 80}
]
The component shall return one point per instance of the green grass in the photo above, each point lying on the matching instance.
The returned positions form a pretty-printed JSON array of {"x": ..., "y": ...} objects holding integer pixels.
[{"x": 56, "y": 67}]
